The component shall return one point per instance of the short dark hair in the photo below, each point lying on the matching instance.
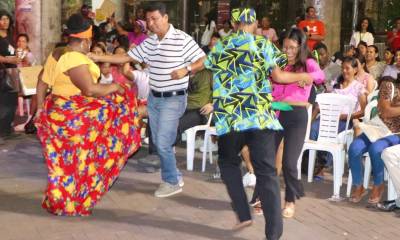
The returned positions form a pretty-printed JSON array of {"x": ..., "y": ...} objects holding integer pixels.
[
  {"x": 215, "y": 35},
  {"x": 161, "y": 7},
  {"x": 23, "y": 35},
  {"x": 321, "y": 46},
  {"x": 309, "y": 7}
]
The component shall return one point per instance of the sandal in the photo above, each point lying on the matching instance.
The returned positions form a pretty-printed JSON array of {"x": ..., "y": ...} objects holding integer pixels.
[
  {"x": 257, "y": 209},
  {"x": 376, "y": 194},
  {"x": 358, "y": 194},
  {"x": 288, "y": 212}
]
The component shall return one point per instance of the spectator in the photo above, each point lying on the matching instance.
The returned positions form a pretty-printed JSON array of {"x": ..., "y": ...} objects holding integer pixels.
[
  {"x": 391, "y": 158},
  {"x": 24, "y": 52},
  {"x": 346, "y": 85},
  {"x": 226, "y": 30},
  {"x": 393, "y": 37},
  {"x": 211, "y": 27},
  {"x": 366, "y": 79},
  {"x": 267, "y": 31},
  {"x": 137, "y": 36},
  {"x": 98, "y": 49},
  {"x": 331, "y": 69},
  {"x": 106, "y": 76},
  {"x": 374, "y": 66},
  {"x": 388, "y": 56},
  {"x": 389, "y": 113},
  {"x": 314, "y": 28},
  {"x": 364, "y": 32},
  {"x": 214, "y": 39},
  {"x": 393, "y": 70},
  {"x": 8, "y": 60},
  {"x": 362, "y": 48}
]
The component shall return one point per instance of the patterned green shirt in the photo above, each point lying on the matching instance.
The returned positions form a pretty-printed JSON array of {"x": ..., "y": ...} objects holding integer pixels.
[{"x": 242, "y": 64}]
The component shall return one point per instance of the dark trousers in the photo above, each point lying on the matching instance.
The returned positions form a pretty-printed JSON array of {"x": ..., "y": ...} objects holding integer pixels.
[
  {"x": 294, "y": 130},
  {"x": 8, "y": 106},
  {"x": 152, "y": 146},
  {"x": 190, "y": 118},
  {"x": 262, "y": 147}
]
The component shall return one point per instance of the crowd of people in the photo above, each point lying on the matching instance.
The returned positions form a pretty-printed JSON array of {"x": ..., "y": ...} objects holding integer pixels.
[{"x": 100, "y": 82}]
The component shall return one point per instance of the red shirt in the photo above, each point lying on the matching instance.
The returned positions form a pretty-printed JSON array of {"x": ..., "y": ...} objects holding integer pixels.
[
  {"x": 314, "y": 27},
  {"x": 396, "y": 41}
]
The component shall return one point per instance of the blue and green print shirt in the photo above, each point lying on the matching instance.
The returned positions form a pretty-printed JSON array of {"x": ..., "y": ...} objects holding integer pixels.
[{"x": 242, "y": 64}]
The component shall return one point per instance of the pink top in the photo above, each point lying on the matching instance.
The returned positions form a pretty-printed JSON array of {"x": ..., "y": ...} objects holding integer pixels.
[
  {"x": 136, "y": 39},
  {"x": 118, "y": 77},
  {"x": 363, "y": 79},
  {"x": 355, "y": 90},
  {"x": 292, "y": 92}
]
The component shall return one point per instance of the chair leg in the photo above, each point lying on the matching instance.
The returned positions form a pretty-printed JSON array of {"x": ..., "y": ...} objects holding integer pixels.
[
  {"x": 349, "y": 183},
  {"x": 210, "y": 149},
  {"x": 190, "y": 141},
  {"x": 392, "y": 195},
  {"x": 206, "y": 149},
  {"x": 337, "y": 175},
  {"x": 367, "y": 171},
  {"x": 311, "y": 164}
]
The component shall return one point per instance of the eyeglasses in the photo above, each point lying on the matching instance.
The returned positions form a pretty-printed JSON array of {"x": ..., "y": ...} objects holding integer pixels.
[{"x": 290, "y": 49}]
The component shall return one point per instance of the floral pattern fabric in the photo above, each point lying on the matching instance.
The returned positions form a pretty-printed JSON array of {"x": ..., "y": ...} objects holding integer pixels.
[{"x": 86, "y": 142}]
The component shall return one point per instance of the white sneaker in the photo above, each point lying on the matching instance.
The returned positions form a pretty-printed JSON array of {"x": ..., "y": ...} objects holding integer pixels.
[
  {"x": 181, "y": 183},
  {"x": 249, "y": 180},
  {"x": 214, "y": 147}
]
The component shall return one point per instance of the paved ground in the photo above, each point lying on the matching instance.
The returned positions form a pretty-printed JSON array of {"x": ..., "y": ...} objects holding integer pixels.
[{"x": 202, "y": 211}]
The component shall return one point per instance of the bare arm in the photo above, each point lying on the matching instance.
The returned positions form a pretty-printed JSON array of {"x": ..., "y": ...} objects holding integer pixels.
[
  {"x": 82, "y": 79},
  {"x": 10, "y": 59},
  {"x": 114, "y": 59},
  {"x": 317, "y": 37},
  {"x": 41, "y": 90},
  {"x": 387, "y": 110},
  {"x": 363, "y": 102},
  {"x": 280, "y": 76}
]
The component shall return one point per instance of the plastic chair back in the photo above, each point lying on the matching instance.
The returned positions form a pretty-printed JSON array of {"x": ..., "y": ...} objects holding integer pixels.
[{"x": 331, "y": 106}]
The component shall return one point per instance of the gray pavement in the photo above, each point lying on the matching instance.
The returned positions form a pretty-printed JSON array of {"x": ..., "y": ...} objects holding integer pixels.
[{"x": 202, "y": 211}]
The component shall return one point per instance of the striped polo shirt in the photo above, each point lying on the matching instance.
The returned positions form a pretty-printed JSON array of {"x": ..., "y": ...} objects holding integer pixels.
[{"x": 176, "y": 50}]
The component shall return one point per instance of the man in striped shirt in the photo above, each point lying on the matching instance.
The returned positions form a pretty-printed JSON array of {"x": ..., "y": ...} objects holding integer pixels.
[{"x": 170, "y": 55}]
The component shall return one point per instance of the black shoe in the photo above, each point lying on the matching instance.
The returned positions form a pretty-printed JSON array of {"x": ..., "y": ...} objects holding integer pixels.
[{"x": 387, "y": 206}]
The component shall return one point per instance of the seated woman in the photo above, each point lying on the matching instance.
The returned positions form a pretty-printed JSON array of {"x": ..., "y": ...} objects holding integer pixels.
[
  {"x": 389, "y": 112},
  {"x": 346, "y": 85},
  {"x": 87, "y": 130},
  {"x": 366, "y": 79}
]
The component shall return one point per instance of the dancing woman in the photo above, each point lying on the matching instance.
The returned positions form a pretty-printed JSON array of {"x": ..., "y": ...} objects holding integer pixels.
[{"x": 87, "y": 130}]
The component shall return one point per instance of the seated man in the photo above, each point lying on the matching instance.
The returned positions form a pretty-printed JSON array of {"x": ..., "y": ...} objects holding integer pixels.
[{"x": 199, "y": 104}]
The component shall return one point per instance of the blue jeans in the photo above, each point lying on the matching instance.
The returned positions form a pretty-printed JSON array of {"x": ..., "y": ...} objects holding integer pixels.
[
  {"x": 314, "y": 136},
  {"x": 361, "y": 145},
  {"x": 164, "y": 114}
]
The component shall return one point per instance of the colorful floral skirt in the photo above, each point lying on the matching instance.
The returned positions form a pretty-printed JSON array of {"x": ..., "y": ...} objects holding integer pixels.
[{"x": 86, "y": 142}]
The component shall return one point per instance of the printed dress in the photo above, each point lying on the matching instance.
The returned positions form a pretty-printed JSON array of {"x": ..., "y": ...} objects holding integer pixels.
[{"x": 86, "y": 142}]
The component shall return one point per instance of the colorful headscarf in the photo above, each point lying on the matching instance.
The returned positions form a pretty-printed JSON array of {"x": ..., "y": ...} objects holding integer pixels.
[{"x": 244, "y": 15}]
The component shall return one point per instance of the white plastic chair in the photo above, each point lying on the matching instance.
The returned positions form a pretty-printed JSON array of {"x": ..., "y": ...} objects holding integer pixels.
[
  {"x": 210, "y": 131},
  {"x": 190, "y": 142},
  {"x": 331, "y": 106},
  {"x": 307, "y": 137}
]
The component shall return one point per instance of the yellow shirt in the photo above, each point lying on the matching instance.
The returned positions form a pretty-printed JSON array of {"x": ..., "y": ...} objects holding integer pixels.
[{"x": 54, "y": 72}]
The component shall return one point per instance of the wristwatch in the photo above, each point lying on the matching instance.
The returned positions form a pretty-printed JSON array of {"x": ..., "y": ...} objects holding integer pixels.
[{"x": 189, "y": 68}]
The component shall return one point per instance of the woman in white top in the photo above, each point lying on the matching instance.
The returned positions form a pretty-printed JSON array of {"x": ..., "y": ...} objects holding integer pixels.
[
  {"x": 210, "y": 29},
  {"x": 364, "y": 32},
  {"x": 267, "y": 31}
]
